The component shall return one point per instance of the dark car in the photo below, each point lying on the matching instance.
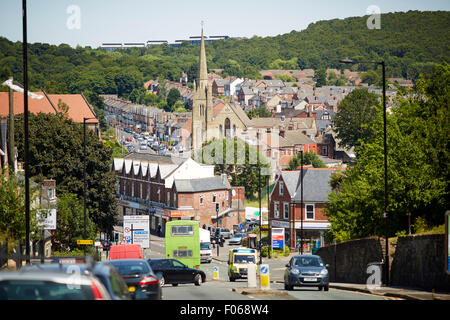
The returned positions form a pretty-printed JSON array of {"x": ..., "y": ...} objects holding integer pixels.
[
  {"x": 106, "y": 273},
  {"x": 140, "y": 278},
  {"x": 174, "y": 272},
  {"x": 307, "y": 271}
]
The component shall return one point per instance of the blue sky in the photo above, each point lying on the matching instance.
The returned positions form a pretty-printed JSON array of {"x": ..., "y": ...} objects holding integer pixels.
[{"x": 141, "y": 20}]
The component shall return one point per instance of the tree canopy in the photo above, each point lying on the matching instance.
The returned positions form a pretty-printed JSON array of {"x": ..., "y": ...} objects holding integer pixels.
[
  {"x": 418, "y": 167},
  {"x": 56, "y": 152}
]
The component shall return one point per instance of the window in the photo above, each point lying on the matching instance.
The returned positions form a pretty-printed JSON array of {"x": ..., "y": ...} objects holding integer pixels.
[
  {"x": 182, "y": 231},
  {"x": 310, "y": 212},
  {"x": 276, "y": 209},
  {"x": 168, "y": 198},
  {"x": 182, "y": 254},
  {"x": 175, "y": 199},
  {"x": 214, "y": 198},
  {"x": 281, "y": 188},
  {"x": 286, "y": 210},
  {"x": 201, "y": 200},
  {"x": 324, "y": 150}
]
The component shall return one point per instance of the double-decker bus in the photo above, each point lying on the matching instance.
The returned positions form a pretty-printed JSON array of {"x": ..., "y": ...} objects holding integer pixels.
[{"x": 183, "y": 242}]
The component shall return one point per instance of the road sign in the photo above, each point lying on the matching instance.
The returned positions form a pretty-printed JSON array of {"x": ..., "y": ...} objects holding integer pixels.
[
  {"x": 136, "y": 230},
  {"x": 264, "y": 277},
  {"x": 277, "y": 238},
  {"x": 85, "y": 242}
]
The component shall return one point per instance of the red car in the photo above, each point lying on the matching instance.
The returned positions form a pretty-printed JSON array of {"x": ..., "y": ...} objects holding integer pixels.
[{"x": 129, "y": 139}]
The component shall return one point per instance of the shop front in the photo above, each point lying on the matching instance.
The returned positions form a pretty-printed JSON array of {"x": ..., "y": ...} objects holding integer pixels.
[{"x": 312, "y": 236}]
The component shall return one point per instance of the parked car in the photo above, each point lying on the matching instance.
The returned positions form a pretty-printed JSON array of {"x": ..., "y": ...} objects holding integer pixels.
[
  {"x": 106, "y": 273},
  {"x": 140, "y": 278},
  {"x": 226, "y": 233},
  {"x": 174, "y": 272},
  {"x": 307, "y": 271},
  {"x": 50, "y": 286},
  {"x": 237, "y": 238}
]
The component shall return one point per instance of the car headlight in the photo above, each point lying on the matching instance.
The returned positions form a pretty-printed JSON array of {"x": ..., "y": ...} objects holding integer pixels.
[
  {"x": 324, "y": 272},
  {"x": 295, "y": 271}
]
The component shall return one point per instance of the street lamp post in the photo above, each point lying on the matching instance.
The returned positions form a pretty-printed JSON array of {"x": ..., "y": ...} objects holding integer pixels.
[
  {"x": 84, "y": 179},
  {"x": 301, "y": 202},
  {"x": 383, "y": 66}
]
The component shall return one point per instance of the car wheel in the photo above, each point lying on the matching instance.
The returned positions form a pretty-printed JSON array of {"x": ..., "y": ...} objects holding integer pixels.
[
  {"x": 198, "y": 280},
  {"x": 174, "y": 284},
  {"x": 232, "y": 279},
  {"x": 320, "y": 288},
  {"x": 326, "y": 288}
]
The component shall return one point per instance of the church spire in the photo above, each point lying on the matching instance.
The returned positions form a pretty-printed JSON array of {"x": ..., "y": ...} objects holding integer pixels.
[{"x": 202, "y": 68}]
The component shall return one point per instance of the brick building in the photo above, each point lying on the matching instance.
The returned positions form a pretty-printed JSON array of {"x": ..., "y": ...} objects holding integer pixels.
[
  {"x": 287, "y": 211},
  {"x": 169, "y": 188}
]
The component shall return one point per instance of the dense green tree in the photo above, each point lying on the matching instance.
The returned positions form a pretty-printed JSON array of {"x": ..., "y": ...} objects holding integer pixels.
[
  {"x": 308, "y": 158},
  {"x": 172, "y": 97},
  {"x": 56, "y": 151},
  {"x": 355, "y": 116},
  {"x": 259, "y": 112},
  {"x": 321, "y": 78},
  {"x": 239, "y": 161},
  {"x": 70, "y": 223},
  {"x": 418, "y": 170}
]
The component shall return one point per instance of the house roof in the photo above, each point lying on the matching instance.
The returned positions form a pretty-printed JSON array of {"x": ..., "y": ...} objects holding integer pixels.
[
  {"x": 78, "y": 107},
  {"x": 315, "y": 182},
  {"x": 34, "y": 105},
  {"x": 199, "y": 185}
]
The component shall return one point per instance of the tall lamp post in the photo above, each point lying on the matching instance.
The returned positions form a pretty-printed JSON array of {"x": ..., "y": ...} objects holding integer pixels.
[
  {"x": 84, "y": 179},
  {"x": 349, "y": 61}
]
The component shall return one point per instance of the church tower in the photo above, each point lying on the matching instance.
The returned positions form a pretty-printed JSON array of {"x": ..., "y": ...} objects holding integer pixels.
[{"x": 202, "y": 103}]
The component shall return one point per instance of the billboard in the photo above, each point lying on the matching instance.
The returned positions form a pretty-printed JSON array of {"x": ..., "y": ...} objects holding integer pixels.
[
  {"x": 277, "y": 238},
  {"x": 136, "y": 230}
]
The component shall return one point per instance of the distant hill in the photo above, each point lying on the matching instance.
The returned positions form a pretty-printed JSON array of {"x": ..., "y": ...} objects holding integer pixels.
[{"x": 409, "y": 42}]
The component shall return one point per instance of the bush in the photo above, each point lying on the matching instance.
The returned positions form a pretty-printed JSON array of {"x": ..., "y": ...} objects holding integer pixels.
[{"x": 265, "y": 251}]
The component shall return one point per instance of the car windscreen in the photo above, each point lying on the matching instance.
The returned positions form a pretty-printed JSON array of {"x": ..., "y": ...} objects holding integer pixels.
[
  {"x": 240, "y": 235},
  {"x": 43, "y": 290},
  {"x": 244, "y": 259},
  {"x": 308, "y": 262},
  {"x": 133, "y": 267}
]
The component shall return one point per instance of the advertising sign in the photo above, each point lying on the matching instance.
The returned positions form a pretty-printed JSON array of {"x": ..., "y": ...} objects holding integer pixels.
[
  {"x": 46, "y": 219},
  {"x": 277, "y": 238},
  {"x": 136, "y": 230}
]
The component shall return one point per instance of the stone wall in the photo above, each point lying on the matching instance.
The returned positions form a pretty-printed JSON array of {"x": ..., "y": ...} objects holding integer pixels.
[
  {"x": 348, "y": 260},
  {"x": 416, "y": 261},
  {"x": 420, "y": 261}
]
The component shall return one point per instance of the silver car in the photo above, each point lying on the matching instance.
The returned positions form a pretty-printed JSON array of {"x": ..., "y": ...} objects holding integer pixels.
[
  {"x": 306, "y": 271},
  {"x": 237, "y": 238},
  {"x": 226, "y": 233}
]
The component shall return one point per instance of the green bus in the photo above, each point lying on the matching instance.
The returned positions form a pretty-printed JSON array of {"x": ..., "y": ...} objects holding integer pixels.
[{"x": 183, "y": 242}]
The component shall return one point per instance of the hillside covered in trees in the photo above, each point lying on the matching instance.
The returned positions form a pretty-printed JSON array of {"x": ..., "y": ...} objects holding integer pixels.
[{"x": 409, "y": 42}]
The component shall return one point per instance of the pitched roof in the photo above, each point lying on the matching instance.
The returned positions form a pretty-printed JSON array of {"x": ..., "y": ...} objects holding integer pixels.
[
  {"x": 34, "y": 105},
  {"x": 78, "y": 107},
  {"x": 315, "y": 182},
  {"x": 198, "y": 185}
]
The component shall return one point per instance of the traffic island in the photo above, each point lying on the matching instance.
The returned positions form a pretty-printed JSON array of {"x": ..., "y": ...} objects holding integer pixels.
[{"x": 284, "y": 295}]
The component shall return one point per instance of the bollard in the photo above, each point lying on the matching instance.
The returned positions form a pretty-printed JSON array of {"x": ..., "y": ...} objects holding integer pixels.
[
  {"x": 251, "y": 275},
  {"x": 216, "y": 273},
  {"x": 264, "y": 277}
]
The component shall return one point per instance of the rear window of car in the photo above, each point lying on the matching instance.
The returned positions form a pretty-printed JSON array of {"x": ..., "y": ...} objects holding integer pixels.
[
  {"x": 127, "y": 267},
  {"x": 43, "y": 290}
]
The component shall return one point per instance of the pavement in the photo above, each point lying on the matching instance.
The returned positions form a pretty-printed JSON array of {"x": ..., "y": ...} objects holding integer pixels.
[{"x": 277, "y": 267}]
